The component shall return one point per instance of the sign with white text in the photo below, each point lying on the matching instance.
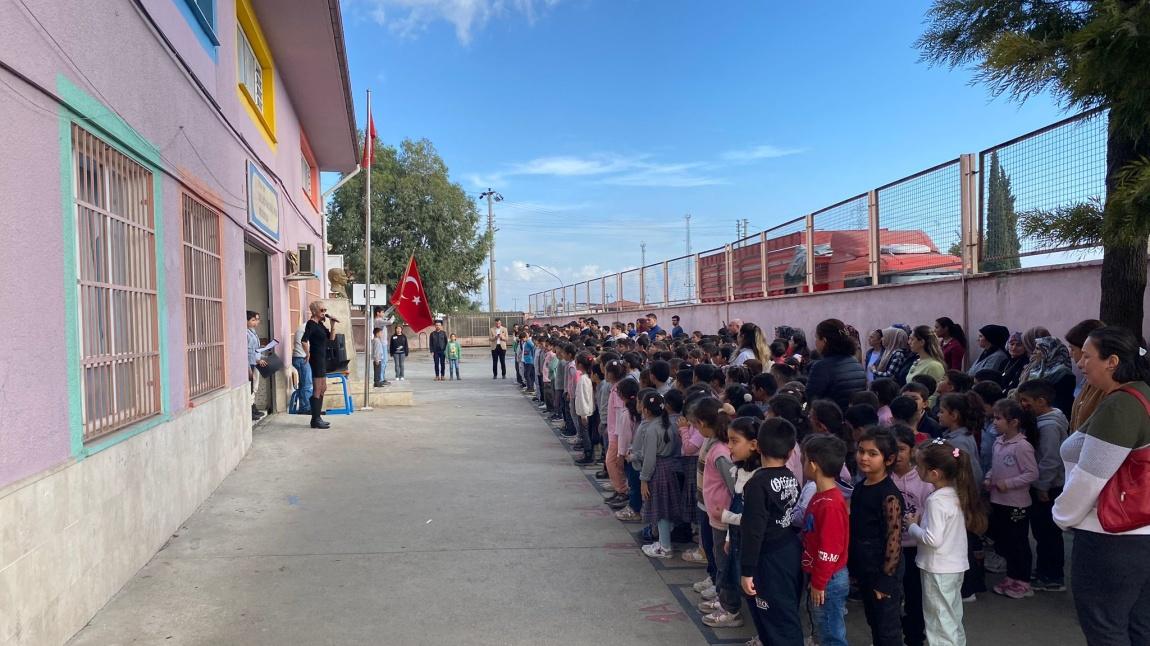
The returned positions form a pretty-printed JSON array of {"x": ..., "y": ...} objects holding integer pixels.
[{"x": 263, "y": 203}]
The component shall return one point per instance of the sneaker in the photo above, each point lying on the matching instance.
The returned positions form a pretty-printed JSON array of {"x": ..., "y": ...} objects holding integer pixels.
[
  {"x": 1052, "y": 585},
  {"x": 1020, "y": 590},
  {"x": 602, "y": 474},
  {"x": 695, "y": 555},
  {"x": 723, "y": 619},
  {"x": 607, "y": 487},
  {"x": 627, "y": 515},
  {"x": 582, "y": 462},
  {"x": 1004, "y": 586},
  {"x": 656, "y": 551},
  {"x": 699, "y": 586},
  {"x": 618, "y": 504},
  {"x": 993, "y": 563},
  {"x": 754, "y": 641},
  {"x": 710, "y": 593},
  {"x": 708, "y": 606}
]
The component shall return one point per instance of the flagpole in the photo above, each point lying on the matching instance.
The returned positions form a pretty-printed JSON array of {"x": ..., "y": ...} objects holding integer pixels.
[{"x": 369, "y": 146}]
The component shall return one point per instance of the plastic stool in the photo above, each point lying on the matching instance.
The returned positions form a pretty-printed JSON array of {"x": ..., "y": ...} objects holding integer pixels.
[{"x": 348, "y": 406}]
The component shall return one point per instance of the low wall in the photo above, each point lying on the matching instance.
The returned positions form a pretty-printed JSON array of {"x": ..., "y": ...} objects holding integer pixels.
[
  {"x": 1056, "y": 297},
  {"x": 71, "y": 537}
]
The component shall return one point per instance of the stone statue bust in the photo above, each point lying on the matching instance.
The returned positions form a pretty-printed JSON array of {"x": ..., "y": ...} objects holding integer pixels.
[{"x": 338, "y": 279}]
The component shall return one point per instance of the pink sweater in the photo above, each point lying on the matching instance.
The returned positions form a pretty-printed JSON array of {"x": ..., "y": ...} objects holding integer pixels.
[
  {"x": 690, "y": 440},
  {"x": 614, "y": 404},
  {"x": 716, "y": 496},
  {"x": 625, "y": 428},
  {"x": 914, "y": 494},
  {"x": 1014, "y": 464}
]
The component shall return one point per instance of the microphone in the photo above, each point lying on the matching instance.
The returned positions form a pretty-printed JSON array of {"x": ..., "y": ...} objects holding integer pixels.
[{"x": 332, "y": 318}]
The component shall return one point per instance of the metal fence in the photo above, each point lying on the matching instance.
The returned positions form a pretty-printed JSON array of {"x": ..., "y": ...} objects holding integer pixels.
[{"x": 963, "y": 215}]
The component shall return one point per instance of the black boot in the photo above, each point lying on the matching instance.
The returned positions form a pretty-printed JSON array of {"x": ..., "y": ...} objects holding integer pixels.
[{"x": 316, "y": 420}]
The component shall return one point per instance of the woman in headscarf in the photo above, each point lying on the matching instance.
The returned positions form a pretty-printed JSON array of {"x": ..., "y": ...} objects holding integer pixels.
[
  {"x": 1051, "y": 363},
  {"x": 1016, "y": 362},
  {"x": 896, "y": 356},
  {"x": 992, "y": 339}
]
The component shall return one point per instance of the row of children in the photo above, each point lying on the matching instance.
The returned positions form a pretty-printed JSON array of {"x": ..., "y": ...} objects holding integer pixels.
[{"x": 767, "y": 476}]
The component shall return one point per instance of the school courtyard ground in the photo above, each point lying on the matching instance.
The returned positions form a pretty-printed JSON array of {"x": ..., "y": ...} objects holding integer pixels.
[{"x": 459, "y": 520}]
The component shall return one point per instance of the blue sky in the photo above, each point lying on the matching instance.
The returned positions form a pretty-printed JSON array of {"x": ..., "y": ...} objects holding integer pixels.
[{"x": 603, "y": 122}]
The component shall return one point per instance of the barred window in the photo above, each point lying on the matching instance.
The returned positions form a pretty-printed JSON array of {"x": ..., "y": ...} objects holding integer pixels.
[
  {"x": 251, "y": 71},
  {"x": 203, "y": 297},
  {"x": 118, "y": 304}
]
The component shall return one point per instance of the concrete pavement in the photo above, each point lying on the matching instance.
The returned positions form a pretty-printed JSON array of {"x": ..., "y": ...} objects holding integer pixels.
[{"x": 459, "y": 520}]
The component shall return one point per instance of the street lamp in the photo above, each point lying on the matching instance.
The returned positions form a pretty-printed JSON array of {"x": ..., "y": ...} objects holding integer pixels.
[{"x": 548, "y": 271}]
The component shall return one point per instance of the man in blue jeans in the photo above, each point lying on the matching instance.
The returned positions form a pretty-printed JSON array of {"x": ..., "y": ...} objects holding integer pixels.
[{"x": 303, "y": 371}]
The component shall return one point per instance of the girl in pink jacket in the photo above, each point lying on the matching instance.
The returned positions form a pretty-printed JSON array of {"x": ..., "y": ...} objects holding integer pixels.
[{"x": 1013, "y": 470}]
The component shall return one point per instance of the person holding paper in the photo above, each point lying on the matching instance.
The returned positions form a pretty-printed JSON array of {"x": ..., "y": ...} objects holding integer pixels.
[{"x": 254, "y": 361}]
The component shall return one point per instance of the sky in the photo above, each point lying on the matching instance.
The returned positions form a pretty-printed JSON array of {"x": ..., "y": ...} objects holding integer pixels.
[{"x": 603, "y": 122}]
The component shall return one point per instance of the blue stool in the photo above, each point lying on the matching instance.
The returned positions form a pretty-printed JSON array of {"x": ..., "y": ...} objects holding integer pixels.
[{"x": 348, "y": 406}]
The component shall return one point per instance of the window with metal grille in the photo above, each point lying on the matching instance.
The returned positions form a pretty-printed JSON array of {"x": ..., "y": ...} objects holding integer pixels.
[
  {"x": 306, "y": 174},
  {"x": 203, "y": 297},
  {"x": 119, "y": 309},
  {"x": 251, "y": 71}
]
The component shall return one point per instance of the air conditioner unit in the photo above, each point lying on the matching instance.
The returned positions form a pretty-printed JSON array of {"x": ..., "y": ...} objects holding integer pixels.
[
  {"x": 307, "y": 259},
  {"x": 304, "y": 259}
]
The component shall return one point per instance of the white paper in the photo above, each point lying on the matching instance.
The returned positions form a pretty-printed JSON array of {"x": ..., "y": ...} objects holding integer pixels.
[{"x": 270, "y": 346}]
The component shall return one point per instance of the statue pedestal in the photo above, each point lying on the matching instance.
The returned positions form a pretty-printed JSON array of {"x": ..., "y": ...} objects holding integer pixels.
[{"x": 341, "y": 309}]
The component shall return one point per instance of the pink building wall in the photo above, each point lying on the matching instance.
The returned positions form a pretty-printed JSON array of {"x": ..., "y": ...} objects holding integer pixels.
[
  {"x": 1056, "y": 297},
  {"x": 110, "y": 53}
]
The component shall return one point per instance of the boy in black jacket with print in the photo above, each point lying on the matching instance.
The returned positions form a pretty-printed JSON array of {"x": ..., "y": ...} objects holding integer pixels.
[{"x": 771, "y": 549}]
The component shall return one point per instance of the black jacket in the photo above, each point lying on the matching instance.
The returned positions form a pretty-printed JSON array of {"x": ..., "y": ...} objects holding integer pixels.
[
  {"x": 836, "y": 378},
  {"x": 437, "y": 341},
  {"x": 398, "y": 344}
]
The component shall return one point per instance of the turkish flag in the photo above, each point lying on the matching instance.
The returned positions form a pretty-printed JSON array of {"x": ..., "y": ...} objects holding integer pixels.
[
  {"x": 410, "y": 299},
  {"x": 368, "y": 143}
]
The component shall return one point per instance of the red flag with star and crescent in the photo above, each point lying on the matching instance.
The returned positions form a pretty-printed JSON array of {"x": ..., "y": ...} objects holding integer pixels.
[{"x": 410, "y": 299}]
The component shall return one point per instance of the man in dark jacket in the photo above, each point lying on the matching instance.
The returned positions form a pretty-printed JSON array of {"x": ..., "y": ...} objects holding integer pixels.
[{"x": 437, "y": 343}]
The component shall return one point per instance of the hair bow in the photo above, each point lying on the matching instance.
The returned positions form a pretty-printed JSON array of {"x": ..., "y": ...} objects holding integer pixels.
[{"x": 955, "y": 453}]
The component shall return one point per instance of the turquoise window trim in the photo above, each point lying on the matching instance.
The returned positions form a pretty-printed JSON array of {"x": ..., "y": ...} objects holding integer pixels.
[
  {"x": 82, "y": 109},
  {"x": 204, "y": 28}
]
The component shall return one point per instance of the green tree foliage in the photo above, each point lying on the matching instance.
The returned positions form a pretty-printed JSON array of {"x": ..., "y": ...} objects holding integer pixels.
[
  {"x": 1087, "y": 54},
  {"x": 1002, "y": 245},
  {"x": 415, "y": 208}
]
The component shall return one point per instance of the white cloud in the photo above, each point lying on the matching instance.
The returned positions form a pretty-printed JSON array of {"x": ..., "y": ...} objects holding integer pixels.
[
  {"x": 409, "y": 18},
  {"x": 758, "y": 152},
  {"x": 610, "y": 168},
  {"x": 564, "y": 166}
]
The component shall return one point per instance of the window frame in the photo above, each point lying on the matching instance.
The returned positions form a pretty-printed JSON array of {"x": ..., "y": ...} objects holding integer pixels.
[
  {"x": 207, "y": 23},
  {"x": 248, "y": 32},
  {"x": 118, "y": 285},
  {"x": 310, "y": 187},
  {"x": 203, "y": 290}
]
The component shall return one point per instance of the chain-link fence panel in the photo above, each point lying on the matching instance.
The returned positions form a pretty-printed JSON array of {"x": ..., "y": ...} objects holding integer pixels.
[{"x": 920, "y": 225}]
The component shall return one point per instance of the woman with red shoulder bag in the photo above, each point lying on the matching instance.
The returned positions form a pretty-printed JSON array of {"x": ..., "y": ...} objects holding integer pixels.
[{"x": 1106, "y": 498}]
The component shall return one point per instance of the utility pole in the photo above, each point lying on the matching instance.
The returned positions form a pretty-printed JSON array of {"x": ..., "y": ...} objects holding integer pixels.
[
  {"x": 492, "y": 197},
  {"x": 643, "y": 251},
  {"x": 746, "y": 227},
  {"x": 690, "y": 264}
]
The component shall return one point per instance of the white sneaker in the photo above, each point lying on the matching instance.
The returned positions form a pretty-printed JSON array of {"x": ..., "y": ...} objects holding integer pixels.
[
  {"x": 710, "y": 593},
  {"x": 627, "y": 514},
  {"x": 993, "y": 562},
  {"x": 607, "y": 486},
  {"x": 656, "y": 551},
  {"x": 699, "y": 586},
  {"x": 754, "y": 641},
  {"x": 723, "y": 619},
  {"x": 707, "y": 607}
]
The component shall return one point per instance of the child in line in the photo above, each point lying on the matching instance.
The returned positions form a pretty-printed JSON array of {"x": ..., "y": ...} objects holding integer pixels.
[
  {"x": 718, "y": 483},
  {"x": 914, "y": 494},
  {"x": 771, "y": 557},
  {"x": 876, "y": 537},
  {"x": 528, "y": 362},
  {"x": 653, "y": 450},
  {"x": 454, "y": 354},
  {"x": 584, "y": 406},
  {"x": 1009, "y": 480},
  {"x": 742, "y": 441},
  {"x": 377, "y": 355},
  {"x": 958, "y": 414},
  {"x": 826, "y": 536},
  {"x": 626, "y": 420},
  {"x": 951, "y": 513},
  {"x": 1036, "y": 397},
  {"x": 613, "y": 463}
]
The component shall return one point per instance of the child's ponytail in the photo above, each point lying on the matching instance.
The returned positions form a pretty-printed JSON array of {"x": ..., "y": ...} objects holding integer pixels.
[
  {"x": 653, "y": 403},
  {"x": 709, "y": 411},
  {"x": 955, "y": 466}
]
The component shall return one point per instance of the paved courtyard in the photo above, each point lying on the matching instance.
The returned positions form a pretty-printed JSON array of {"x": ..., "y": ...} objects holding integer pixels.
[{"x": 460, "y": 520}]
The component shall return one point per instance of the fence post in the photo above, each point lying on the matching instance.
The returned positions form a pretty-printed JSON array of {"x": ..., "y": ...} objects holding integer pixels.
[
  {"x": 763, "y": 262},
  {"x": 666, "y": 285},
  {"x": 642, "y": 286},
  {"x": 698, "y": 275},
  {"x": 810, "y": 243},
  {"x": 874, "y": 248},
  {"x": 619, "y": 291},
  {"x": 729, "y": 288},
  {"x": 971, "y": 212}
]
